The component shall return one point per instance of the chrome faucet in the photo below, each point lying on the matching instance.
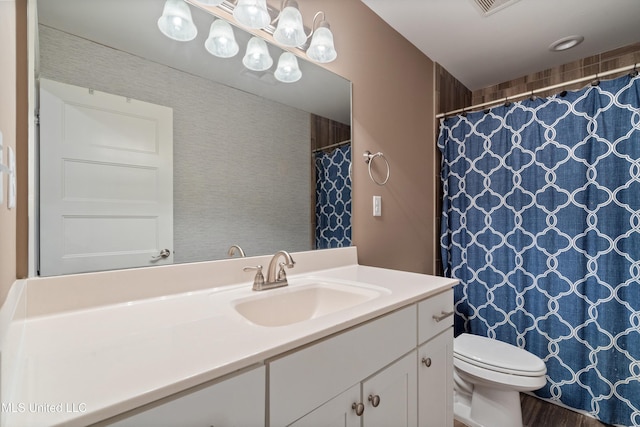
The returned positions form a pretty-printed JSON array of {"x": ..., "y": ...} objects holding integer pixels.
[
  {"x": 273, "y": 280},
  {"x": 281, "y": 278},
  {"x": 233, "y": 249}
]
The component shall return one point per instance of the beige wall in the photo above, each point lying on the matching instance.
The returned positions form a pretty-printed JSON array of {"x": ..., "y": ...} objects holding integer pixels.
[{"x": 392, "y": 113}]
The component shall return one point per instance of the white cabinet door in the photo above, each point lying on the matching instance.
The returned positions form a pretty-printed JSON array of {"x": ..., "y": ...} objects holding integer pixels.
[
  {"x": 435, "y": 381},
  {"x": 306, "y": 379},
  {"x": 390, "y": 397},
  {"x": 106, "y": 188},
  {"x": 337, "y": 412},
  {"x": 238, "y": 401}
]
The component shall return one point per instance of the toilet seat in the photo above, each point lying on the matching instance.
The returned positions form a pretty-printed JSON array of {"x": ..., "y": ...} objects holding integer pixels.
[
  {"x": 496, "y": 356},
  {"x": 481, "y": 376}
]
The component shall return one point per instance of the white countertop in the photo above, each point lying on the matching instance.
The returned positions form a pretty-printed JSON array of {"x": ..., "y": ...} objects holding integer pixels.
[{"x": 84, "y": 366}]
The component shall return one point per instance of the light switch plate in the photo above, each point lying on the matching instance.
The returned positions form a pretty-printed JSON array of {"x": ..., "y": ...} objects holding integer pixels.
[
  {"x": 11, "y": 198},
  {"x": 377, "y": 205}
]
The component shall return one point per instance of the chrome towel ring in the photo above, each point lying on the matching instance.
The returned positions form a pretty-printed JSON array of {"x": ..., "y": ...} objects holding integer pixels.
[{"x": 369, "y": 158}]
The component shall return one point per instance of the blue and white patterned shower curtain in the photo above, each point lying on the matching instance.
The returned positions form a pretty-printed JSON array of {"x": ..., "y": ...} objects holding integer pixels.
[
  {"x": 333, "y": 198},
  {"x": 541, "y": 224}
]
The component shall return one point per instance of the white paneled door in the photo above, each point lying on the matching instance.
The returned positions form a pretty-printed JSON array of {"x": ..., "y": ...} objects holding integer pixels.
[{"x": 106, "y": 181}]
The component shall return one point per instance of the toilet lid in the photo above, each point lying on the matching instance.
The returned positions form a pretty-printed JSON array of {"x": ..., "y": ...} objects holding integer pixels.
[{"x": 497, "y": 355}]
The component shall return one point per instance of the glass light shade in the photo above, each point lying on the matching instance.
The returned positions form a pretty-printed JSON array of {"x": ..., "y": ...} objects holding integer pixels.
[
  {"x": 288, "y": 70},
  {"x": 211, "y": 2},
  {"x": 252, "y": 13},
  {"x": 176, "y": 22},
  {"x": 221, "y": 41},
  {"x": 290, "y": 30},
  {"x": 321, "y": 48},
  {"x": 257, "y": 56}
]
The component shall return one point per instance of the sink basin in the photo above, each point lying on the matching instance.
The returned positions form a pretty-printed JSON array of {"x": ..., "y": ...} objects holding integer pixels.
[{"x": 286, "y": 306}]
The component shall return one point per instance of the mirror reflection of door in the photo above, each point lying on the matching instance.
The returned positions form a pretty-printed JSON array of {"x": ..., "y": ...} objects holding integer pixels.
[{"x": 107, "y": 199}]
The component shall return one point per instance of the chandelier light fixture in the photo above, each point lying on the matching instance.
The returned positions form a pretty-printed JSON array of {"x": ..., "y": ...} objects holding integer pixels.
[{"x": 177, "y": 24}]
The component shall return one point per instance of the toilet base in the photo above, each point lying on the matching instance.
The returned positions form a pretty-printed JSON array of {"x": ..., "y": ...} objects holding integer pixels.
[
  {"x": 462, "y": 413},
  {"x": 489, "y": 407}
]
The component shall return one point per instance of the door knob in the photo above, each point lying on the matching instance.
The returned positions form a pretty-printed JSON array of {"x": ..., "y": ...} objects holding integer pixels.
[{"x": 163, "y": 254}]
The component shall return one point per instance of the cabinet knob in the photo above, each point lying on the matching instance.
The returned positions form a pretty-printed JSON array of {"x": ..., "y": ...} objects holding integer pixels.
[
  {"x": 375, "y": 400},
  {"x": 359, "y": 408},
  {"x": 426, "y": 361}
]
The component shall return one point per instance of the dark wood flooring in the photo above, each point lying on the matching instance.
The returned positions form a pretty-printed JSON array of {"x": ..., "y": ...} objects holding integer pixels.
[{"x": 538, "y": 413}]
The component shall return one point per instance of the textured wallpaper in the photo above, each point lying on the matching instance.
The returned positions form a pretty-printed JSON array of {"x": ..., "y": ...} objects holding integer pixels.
[{"x": 241, "y": 162}]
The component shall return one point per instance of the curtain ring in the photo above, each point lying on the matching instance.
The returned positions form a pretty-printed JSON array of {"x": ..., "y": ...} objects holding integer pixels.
[{"x": 369, "y": 158}]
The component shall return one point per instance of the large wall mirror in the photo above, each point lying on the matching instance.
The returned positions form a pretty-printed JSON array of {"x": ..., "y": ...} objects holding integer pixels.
[{"x": 244, "y": 151}]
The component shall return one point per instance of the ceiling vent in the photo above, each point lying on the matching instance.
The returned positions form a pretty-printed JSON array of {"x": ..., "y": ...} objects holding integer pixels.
[{"x": 488, "y": 7}]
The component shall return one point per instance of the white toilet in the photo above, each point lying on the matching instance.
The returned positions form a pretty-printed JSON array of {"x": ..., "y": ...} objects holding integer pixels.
[{"x": 489, "y": 376}]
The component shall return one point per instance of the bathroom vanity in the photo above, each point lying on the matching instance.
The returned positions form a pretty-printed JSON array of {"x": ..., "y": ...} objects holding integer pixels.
[{"x": 350, "y": 345}]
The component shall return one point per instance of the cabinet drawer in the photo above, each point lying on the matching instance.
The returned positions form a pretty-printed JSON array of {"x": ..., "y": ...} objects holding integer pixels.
[
  {"x": 238, "y": 401},
  {"x": 304, "y": 380},
  {"x": 430, "y": 315}
]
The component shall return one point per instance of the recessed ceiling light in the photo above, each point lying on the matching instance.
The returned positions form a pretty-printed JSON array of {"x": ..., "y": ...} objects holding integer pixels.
[{"x": 565, "y": 43}]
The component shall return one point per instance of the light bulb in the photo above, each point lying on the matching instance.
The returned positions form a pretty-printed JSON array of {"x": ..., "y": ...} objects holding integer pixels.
[
  {"x": 252, "y": 13},
  {"x": 290, "y": 30},
  {"x": 221, "y": 41},
  {"x": 321, "y": 48},
  {"x": 288, "y": 70},
  {"x": 257, "y": 56},
  {"x": 176, "y": 22}
]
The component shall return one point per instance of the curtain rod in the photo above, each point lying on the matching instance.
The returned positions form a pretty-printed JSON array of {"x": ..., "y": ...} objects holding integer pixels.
[
  {"x": 544, "y": 89},
  {"x": 327, "y": 147}
]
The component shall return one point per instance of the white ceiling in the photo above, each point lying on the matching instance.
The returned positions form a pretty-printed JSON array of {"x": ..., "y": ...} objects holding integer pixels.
[{"x": 512, "y": 42}]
